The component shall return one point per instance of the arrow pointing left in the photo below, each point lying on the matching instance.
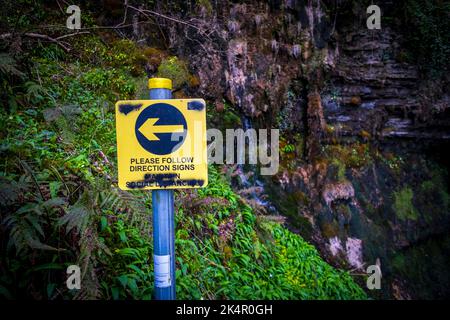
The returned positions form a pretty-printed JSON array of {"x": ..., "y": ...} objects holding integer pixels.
[{"x": 149, "y": 129}]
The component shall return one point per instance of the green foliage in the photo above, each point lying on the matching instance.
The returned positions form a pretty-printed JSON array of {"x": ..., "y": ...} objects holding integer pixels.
[
  {"x": 9, "y": 66},
  {"x": 61, "y": 206},
  {"x": 128, "y": 267},
  {"x": 341, "y": 157},
  {"x": 176, "y": 70},
  {"x": 58, "y": 148},
  {"x": 403, "y": 206},
  {"x": 103, "y": 80},
  {"x": 224, "y": 118},
  {"x": 340, "y": 169},
  {"x": 354, "y": 155},
  {"x": 432, "y": 197},
  {"x": 288, "y": 148},
  {"x": 10, "y": 76},
  {"x": 228, "y": 253},
  {"x": 23, "y": 14},
  {"x": 394, "y": 162}
]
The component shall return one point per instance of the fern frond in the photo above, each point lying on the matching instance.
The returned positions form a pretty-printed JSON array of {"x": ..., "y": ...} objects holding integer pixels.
[
  {"x": 9, "y": 66},
  {"x": 78, "y": 216},
  {"x": 11, "y": 191},
  {"x": 26, "y": 229},
  {"x": 34, "y": 92}
]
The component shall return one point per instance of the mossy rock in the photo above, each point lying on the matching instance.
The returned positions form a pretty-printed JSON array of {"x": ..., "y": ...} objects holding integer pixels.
[
  {"x": 355, "y": 155},
  {"x": 403, "y": 205},
  {"x": 175, "y": 69},
  {"x": 301, "y": 198},
  {"x": 329, "y": 229},
  {"x": 154, "y": 56},
  {"x": 344, "y": 210},
  {"x": 222, "y": 117},
  {"x": 337, "y": 170},
  {"x": 425, "y": 267}
]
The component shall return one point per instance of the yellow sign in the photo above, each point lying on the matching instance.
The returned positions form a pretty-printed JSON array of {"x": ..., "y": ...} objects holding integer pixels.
[{"x": 161, "y": 144}]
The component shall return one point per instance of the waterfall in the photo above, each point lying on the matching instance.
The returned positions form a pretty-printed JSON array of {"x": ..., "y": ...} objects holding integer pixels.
[{"x": 253, "y": 181}]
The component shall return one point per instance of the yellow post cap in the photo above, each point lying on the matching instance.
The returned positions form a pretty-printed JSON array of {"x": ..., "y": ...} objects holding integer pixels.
[{"x": 159, "y": 83}]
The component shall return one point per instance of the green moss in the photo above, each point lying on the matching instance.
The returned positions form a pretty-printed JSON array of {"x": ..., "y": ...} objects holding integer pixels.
[
  {"x": 329, "y": 229},
  {"x": 226, "y": 118},
  {"x": 205, "y": 4},
  {"x": 433, "y": 197},
  {"x": 394, "y": 162},
  {"x": 430, "y": 41},
  {"x": 176, "y": 70},
  {"x": 288, "y": 148},
  {"x": 398, "y": 262},
  {"x": 403, "y": 205},
  {"x": 340, "y": 169},
  {"x": 359, "y": 155},
  {"x": 231, "y": 119},
  {"x": 370, "y": 209},
  {"x": 354, "y": 155}
]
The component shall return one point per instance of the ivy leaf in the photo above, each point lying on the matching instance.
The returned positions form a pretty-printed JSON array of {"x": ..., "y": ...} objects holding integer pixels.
[
  {"x": 103, "y": 223},
  {"x": 123, "y": 279}
]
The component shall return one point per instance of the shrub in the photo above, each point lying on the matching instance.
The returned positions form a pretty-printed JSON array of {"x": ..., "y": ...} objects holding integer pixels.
[{"x": 176, "y": 70}]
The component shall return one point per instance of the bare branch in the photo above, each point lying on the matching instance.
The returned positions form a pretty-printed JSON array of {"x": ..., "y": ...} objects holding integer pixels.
[
  {"x": 146, "y": 12},
  {"x": 48, "y": 38},
  {"x": 119, "y": 26},
  {"x": 71, "y": 35},
  {"x": 39, "y": 36}
]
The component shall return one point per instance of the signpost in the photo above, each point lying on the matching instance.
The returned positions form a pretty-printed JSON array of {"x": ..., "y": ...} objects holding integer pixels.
[{"x": 161, "y": 146}]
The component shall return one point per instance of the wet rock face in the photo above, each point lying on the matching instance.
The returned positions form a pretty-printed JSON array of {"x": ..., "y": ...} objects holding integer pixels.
[
  {"x": 253, "y": 52},
  {"x": 332, "y": 84},
  {"x": 371, "y": 89},
  {"x": 338, "y": 191},
  {"x": 315, "y": 124}
]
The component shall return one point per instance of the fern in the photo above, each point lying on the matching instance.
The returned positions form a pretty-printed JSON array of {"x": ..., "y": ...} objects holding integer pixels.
[
  {"x": 34, "y": 92},
  {"x": 26, "y": 225},
  {"x": 12, "y": 191},
  {"x": 83, "y": 217},
  {"x": 78, "y": 216},
  {"x": 8, "y": 66}
]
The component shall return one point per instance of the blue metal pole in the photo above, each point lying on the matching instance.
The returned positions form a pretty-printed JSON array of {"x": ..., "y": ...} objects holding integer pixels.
[{"x": 163, "y": 228}]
